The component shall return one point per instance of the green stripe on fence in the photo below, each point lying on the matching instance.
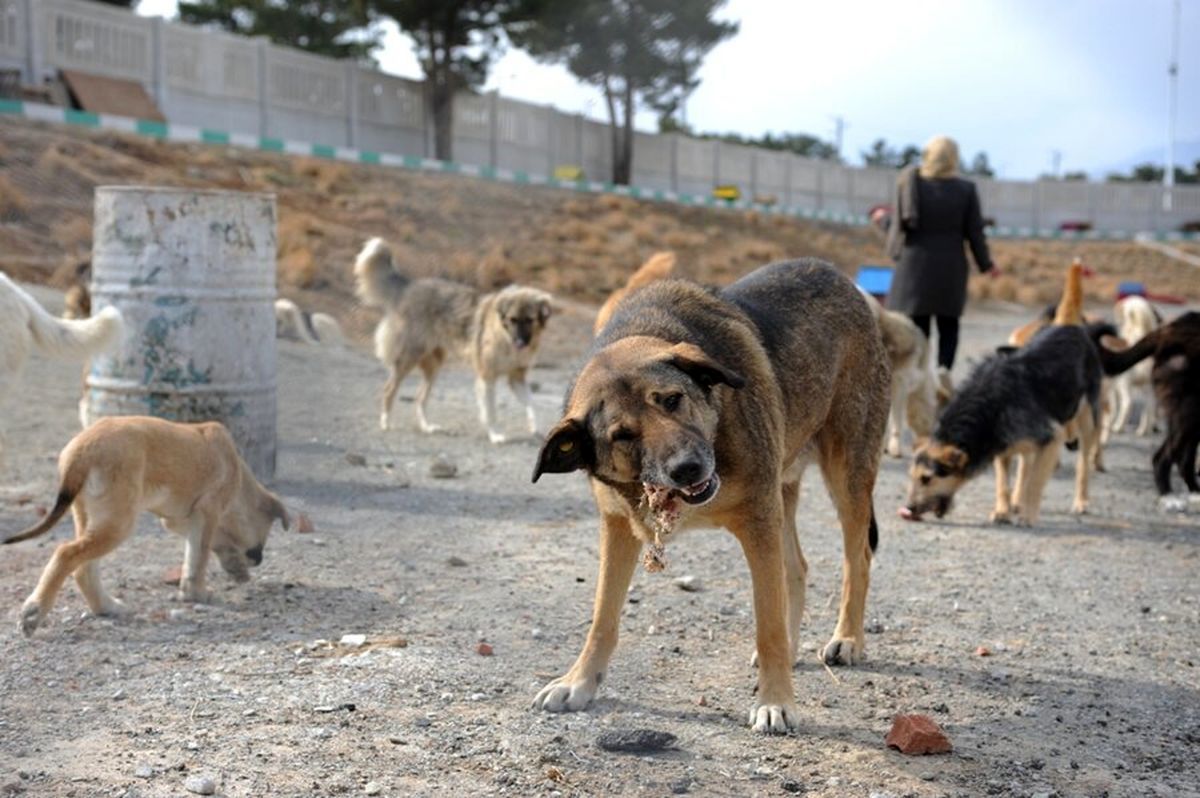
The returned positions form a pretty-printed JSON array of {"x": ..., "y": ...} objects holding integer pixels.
[
  {"x": 214, "y": 136},
  {"x": 84, "y": 118},
  {"x": 368, "y": 157},
  {"x": 12, "y": 107},
  {"x": 270, "y": 145},
  {"x": 324, "y": 151},
  {"x": 149, "y": 127}
]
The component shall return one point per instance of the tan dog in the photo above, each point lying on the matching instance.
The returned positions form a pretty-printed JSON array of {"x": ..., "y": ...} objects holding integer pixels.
[
  {"x": 658, "y": 266},
  {"x": 426, "y": 320},
  {"x": 701, "y": 408},
  {"x": 189, "y": 475},
  {"x": 917, "y": 394}
]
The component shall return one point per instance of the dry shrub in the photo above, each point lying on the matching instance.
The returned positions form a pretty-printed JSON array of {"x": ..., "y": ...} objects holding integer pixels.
[
  {"x": 14, "y": 206},
  {"x": 577, "y": 207},
  {"x": 298, "y": 269},
  {"x": 1032, "y": 295},
  {"x": 615, "y": 221},
  {"x": 495, "y": 270},
  {"x": 569, "y": 230},
  {"x": 682, "y": 239},
  {"x": 612, "y": 202},
  {"x": 74, "y": 234}
]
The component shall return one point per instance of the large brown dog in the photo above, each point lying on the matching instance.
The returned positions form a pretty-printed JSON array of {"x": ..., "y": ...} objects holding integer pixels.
[
  {"x": 426, "y": 320},
  {"x": 701, "y": 408},
  {"x": 189, "y": 475}
]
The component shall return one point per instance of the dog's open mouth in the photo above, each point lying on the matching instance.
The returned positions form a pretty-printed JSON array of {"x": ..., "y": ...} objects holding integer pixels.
[{"x": 664, "y": 501}]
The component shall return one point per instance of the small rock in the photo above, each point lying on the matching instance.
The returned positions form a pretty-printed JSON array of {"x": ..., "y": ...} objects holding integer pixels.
[
  {"x": 688, "y": 583},
  {"x": 793, "y": 786},
  {"x": 681, "y": 787},
  {"x": 701, "y": 701},
  {"x": 396, "y": 739},
  {"x": 477, "y": 696},
  {"x": 144, "y": 772},
  {"x": 422, "y": 723},
  {"x": 355, "y": 459},
  {"x": 1042, "y": 795},
  {"x": 455, "y": 561},
  {"x": 917, "y": 734},
  {"x": 117, "y": 696},
  {"x": 373, "y": 788},
  {"x": 874, "y": 627},
  {"x": 176, "y": 613},
  {"x": 443, "y": 467},
  {"x": 200, "y": 785},
  {"x": 172, "y": 575},
  {"x": 928, "y": 775},
  {"x": 636, "y": 741},
  {"x": 983, "y": 651},
  {"x": 484, "y": 649},
  {"x": 353, "y": 641},
  {"x": 304, "y": 524},
  {"x": 536, "y": 634}
]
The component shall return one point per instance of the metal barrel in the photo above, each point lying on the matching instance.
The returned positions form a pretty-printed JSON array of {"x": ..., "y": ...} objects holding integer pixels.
[{"x": 193, "y": 273}]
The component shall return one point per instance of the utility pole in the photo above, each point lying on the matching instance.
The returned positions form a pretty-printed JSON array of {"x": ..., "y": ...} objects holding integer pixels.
[
  {"x": 1173, "y": 85},
  {"x": 839, "y": 127}
]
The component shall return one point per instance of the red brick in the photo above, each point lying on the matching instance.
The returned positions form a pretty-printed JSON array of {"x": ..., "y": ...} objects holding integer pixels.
[
  {"x": 484, "y": 650},
  {"x": 917, "y": 734}
]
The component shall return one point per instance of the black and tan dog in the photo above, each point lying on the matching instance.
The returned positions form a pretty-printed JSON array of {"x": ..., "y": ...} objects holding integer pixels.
[
  {"x": 1017, "y": 402},
  {"x": 1175, "y": 348},
  {"x": 701, "y": 408}
]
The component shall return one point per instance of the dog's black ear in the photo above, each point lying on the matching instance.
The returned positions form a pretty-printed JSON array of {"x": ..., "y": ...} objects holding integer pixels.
[
  {"x": 695, "y": 362},
  {"x": 568, "y": 447},
  {"x": 1006, "y": 349}
]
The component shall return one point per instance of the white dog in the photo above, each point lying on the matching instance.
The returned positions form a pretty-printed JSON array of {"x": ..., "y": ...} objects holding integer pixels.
[
  {"x": 26, "y": 327},
  {"x": 1136, "y": 317},
  {"x": 310, "y": 328},
  {"x": 914, "y": 386}
]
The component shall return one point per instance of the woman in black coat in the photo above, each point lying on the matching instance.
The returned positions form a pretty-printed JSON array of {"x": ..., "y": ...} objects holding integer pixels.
[{"x": 936, "y": 210}]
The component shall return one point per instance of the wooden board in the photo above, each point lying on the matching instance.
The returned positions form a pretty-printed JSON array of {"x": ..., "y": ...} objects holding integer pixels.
[{"x": 103, "y": 95}]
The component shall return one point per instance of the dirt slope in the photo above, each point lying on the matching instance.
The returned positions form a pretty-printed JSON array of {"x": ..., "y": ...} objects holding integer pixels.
[{"x": 579, "y": 246}]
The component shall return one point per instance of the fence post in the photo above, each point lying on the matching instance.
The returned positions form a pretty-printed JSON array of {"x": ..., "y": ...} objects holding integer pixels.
[
  {"x": 352, "y": 104},
  {"x": 716, "y": 178},
  {"x": 494, "y": 129},
  {"x": 550, "y": 159},
  {"x": 753, "y": 175},
  {"x": 1037, "y": 205},
  {"x": 820, "y": 185},
  {"x": 673, "y": 138},
  {"x": 787, "y": 180},
  {"x": 579, "y": 143},
  {"x": 264, "y": 105},
  {"x": 158, "y": 53},
  {"x": 33, "y": 42}
]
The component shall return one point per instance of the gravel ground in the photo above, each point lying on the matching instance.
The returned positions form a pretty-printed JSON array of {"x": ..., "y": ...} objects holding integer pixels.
[{"x": 1093, "y": 626}]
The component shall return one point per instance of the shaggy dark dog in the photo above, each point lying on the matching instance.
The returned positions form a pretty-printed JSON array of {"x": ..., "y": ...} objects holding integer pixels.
[{"x": 1175, "y": 348}]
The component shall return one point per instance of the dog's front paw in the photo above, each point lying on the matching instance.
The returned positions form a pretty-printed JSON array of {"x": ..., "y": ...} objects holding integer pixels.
[
  {"x": 497, "y": 437},
  {"x": 31, "y": 617},
  {"x": 192, "y": 594},
  {"x": 893, "y": 448},
  {"x": 774, "y": 718},
  {"x": 385, "y": 421},
  {"x": 566, "y": 694},
  {"x": 1000, "y": 517},
  {"x": 114, "y": 608},
  {"x": 1079, "y": 507},
  {"x": 844, "y": 651},
  {"x": 430, "y": 429}
]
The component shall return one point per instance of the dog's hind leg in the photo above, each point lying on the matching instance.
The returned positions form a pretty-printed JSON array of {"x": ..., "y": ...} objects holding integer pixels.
[
  {"x": 850, "y": 477},
  {"x": 517, "y": 381},
  {"x": 1146, "y": 423},
  {"x": 87, "y": 576},
  {"x": 795, "y": 568},
  {"x": 429, "y": 364},
  {"x": 619, "y": 549},
  {"x": 1003, "y": 512},
  {"x": 1089, "y": 453},
  {"x": 399, "y": 371},
  {"x": 1187, "y": 462},
  {"x": 1162, "y": 462},
  {"x": 99, "y": 539},
  {"x": 1124, "y": 404},
  {"x": 900, "y": 392},
  {"x": 1038, "y": 468}
]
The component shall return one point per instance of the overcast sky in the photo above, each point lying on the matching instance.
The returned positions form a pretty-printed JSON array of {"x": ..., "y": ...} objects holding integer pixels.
[{"x": 1017, "y": 79}]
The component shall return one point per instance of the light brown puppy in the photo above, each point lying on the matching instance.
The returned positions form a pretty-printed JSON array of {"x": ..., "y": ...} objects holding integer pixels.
[
  {"x": 702, "y": 408},
  {"x": 658, "y": 266},
  {"x": 189, "y": 475},
  {"x": 426, "y": 320}
]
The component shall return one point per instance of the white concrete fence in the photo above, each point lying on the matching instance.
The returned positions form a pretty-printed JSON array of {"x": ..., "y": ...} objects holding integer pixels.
[{"x": 215, "y": 80}]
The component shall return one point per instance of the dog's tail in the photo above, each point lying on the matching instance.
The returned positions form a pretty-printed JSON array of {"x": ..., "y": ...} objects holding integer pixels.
[
  {"x": 658, "y": 266},
  {"x": 1114, "y": 362},
  {"x": 69, "y": 487},
  {"x": 378, "y": 283},
  {"x": 1070, "y": 307},
  {"x": 327, "y": 328},
  {"x": 288, "y": 311},
  {"x": 76, "y": 339}
]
